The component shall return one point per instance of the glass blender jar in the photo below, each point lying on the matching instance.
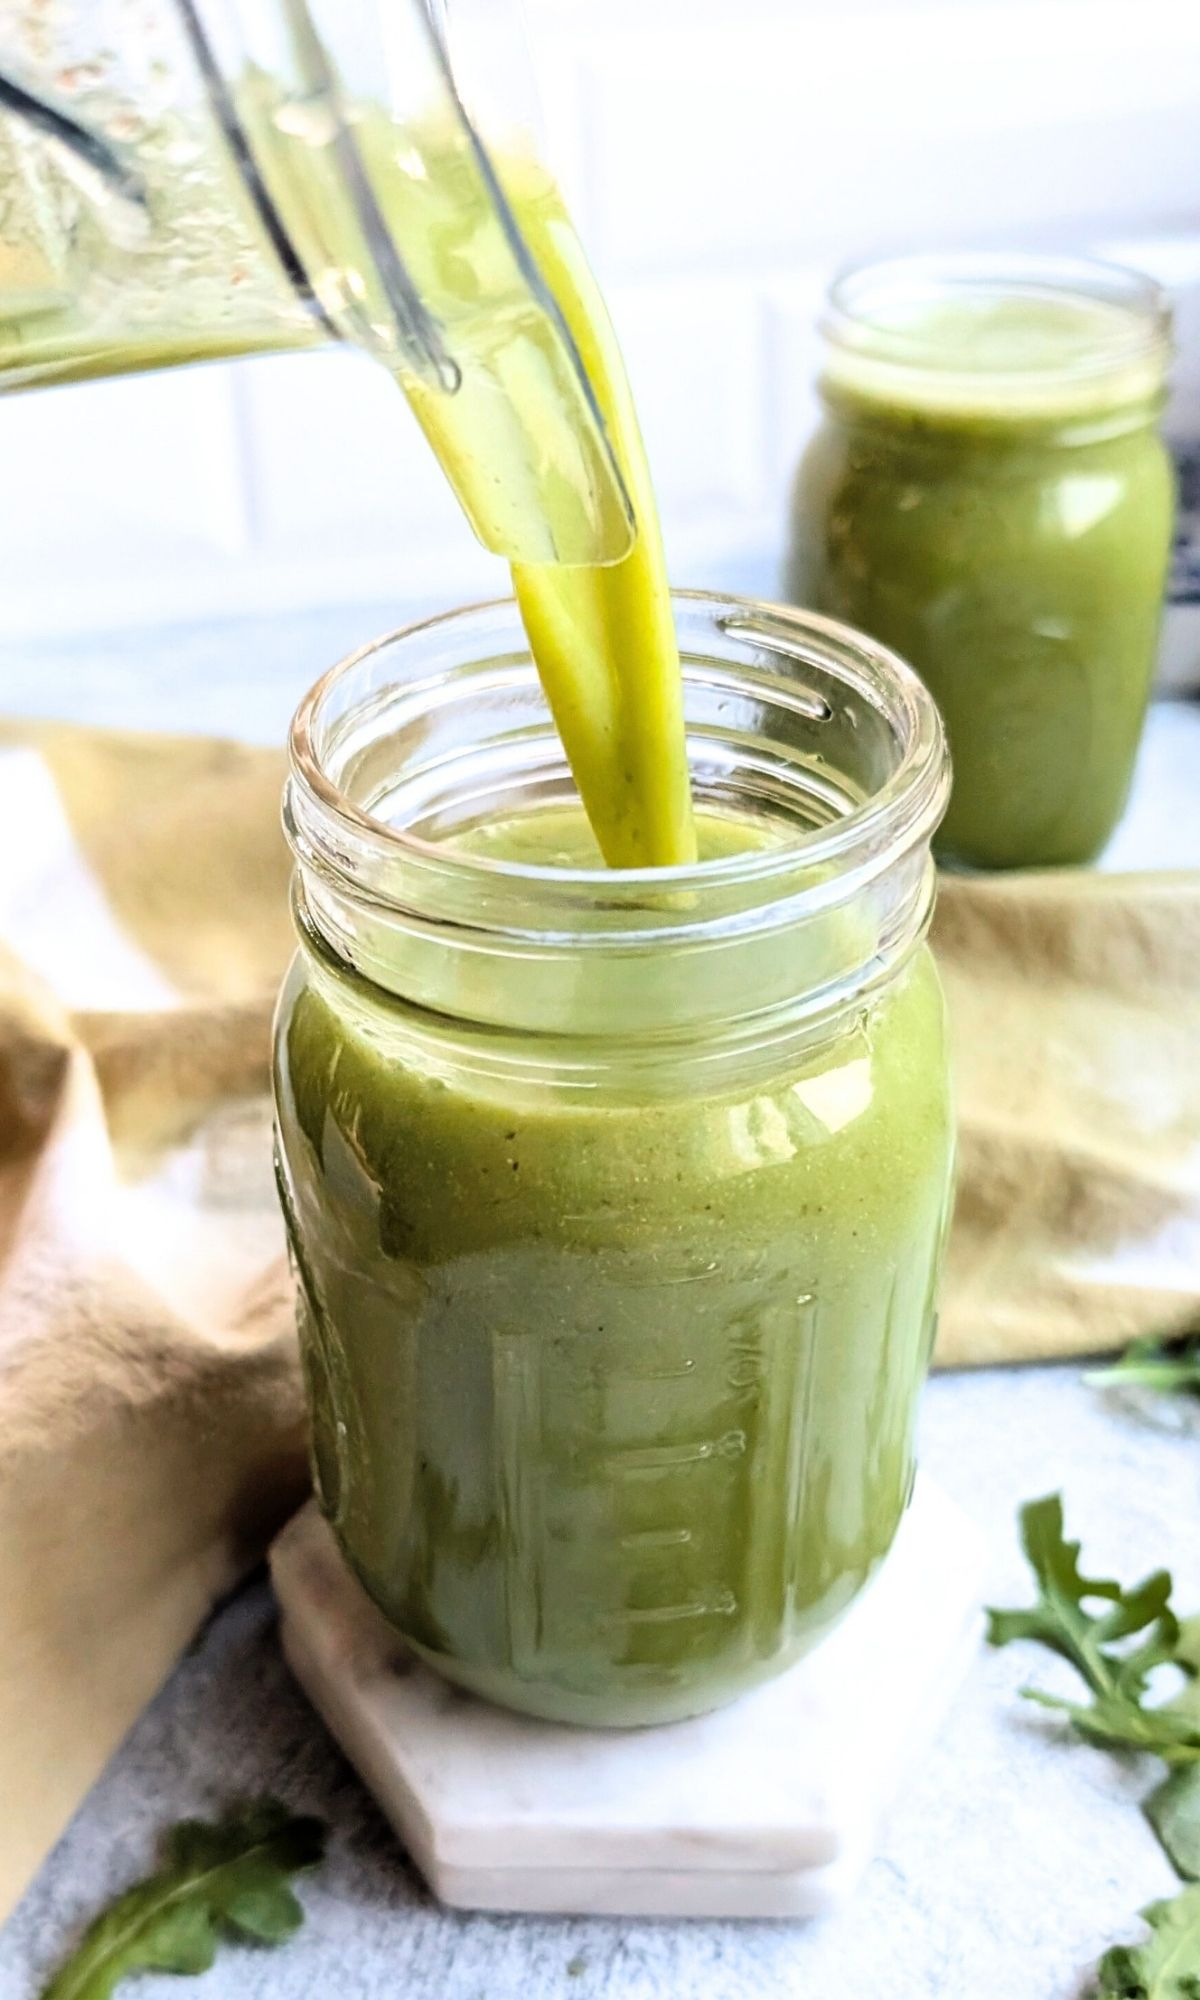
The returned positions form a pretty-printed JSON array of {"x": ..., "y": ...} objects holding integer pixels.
[{"x": 187, "y": 179}]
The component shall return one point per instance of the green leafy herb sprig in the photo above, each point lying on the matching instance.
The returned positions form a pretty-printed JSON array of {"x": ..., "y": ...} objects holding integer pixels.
[
  {"x": 1115, "y": 1639},
  {"x": 1114, "y": 1648},
  {"x": 1167, "y": 1965},
  {"x": 228, "y": 1878},
  {"x": 1152, "y": 1364}
]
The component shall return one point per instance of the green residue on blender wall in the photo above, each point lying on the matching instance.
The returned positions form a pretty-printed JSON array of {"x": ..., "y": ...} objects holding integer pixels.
[{"x": 96, "y": 287}]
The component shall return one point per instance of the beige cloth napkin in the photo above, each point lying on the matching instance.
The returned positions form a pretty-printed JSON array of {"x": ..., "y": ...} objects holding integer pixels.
[{"x": 150, "y": 1412}]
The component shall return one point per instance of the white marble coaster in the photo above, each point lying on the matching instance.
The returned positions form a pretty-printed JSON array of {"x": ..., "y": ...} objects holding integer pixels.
[{"x": 770, "y": 1808}]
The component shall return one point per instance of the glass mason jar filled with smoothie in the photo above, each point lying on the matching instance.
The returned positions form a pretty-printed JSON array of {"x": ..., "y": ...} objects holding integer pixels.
[
  {"x": 989, "y": 494},
  {"x": 616, "y": 1197}
]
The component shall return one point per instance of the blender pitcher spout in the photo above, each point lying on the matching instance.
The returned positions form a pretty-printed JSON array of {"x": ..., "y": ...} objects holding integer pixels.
[{"x": 398, "y": 147}]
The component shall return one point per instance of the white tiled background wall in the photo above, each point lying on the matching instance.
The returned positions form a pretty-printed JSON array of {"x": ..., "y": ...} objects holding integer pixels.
[{"x": 724, "y": 156}]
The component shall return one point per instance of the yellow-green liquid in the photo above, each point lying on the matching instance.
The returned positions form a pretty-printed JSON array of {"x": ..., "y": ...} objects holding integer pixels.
[{"x": 604, "y": 638}]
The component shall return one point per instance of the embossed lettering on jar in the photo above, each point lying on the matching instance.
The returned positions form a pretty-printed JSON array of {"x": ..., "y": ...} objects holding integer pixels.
[{"x": 616, "y": 1201}]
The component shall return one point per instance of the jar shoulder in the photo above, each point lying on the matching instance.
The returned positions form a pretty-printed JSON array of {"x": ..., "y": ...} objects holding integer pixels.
[
  {"x": 879, "y": 504},
  {"x": 908, "y": 447}
]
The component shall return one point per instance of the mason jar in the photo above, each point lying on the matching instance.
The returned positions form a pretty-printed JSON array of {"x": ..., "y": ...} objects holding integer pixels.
[
  {"x": 989, "y": 494},
  {"x": 616, "y": 1200}
]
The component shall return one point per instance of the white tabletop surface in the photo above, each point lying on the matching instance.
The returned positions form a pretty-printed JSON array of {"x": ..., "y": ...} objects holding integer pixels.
[{"x": 1015, "y": 1857}]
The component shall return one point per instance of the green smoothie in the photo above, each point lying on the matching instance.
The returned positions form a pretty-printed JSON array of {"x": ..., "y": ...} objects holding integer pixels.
[
  {"x": 999, "y": 511},
  {"x": 614, "y": 1387}
]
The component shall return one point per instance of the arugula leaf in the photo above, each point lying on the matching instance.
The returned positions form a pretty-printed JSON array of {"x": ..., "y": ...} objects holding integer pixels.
[
  {"x": 228, "y": 1877},
  {"x": 1167, "y": 1965},
  {"x": 1149, "y": 1364},
  {"x": 1173, "y": 1810},
  {"x": 1097, "y": 1643},
  {"x": 1115, "y": 1638}
]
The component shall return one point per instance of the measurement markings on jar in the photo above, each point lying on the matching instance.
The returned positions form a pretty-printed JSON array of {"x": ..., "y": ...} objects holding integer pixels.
[
  {"x": 631, "y": 1461},
  {"x": 676, "y": 1374},
  {"x": 659, "y": 1457},
  {"x": 650, "y": 1574},
  {"x": 723, "y": 1605}
]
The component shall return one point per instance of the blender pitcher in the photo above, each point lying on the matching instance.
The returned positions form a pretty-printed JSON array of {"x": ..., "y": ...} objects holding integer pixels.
[{"x": 187, "y": 179}]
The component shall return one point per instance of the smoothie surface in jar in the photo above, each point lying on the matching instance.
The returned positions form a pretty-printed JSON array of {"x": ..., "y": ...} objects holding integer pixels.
[
  {"x": 614, "y": 1386},
  {"x": 989, "y": 496}
]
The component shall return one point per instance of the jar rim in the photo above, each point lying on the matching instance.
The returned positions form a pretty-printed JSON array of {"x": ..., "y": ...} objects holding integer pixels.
[
  {"x": 904, "y": 809},
  {"x": 792, "y": 719},
  {"x": 926, "y": 315}
]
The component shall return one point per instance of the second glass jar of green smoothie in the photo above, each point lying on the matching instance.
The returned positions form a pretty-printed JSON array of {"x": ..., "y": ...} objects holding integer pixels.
[
  {"x": 616, "y": 1199},
  {"x": 989, "y": 495}
]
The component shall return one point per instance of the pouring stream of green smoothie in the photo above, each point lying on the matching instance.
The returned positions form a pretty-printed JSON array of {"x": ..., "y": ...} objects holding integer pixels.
[{"x": 602, "y": 636}]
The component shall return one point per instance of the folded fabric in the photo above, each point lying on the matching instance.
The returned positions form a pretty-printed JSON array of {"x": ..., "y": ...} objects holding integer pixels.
[
  {"x": 1075, "y": 1018},
  {"x": 151, "y": 1424}
]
